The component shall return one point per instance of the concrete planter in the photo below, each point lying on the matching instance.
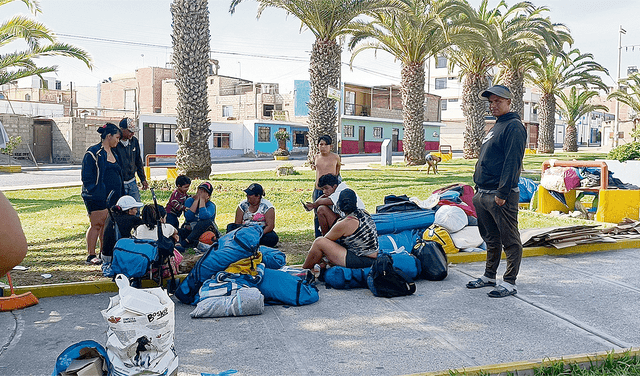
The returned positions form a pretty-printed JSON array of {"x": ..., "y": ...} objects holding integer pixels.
[{"x": 281, "y": 157}]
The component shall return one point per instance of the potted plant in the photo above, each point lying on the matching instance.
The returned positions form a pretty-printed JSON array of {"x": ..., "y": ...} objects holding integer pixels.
[{"x": 282, "y": 153}]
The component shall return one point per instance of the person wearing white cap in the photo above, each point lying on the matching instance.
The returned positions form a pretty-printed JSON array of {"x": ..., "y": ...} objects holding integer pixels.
[
  {"x": 130, "y": 159},
  {"x": 496, "y": 199},
  {"x": 125, "y": 215}
]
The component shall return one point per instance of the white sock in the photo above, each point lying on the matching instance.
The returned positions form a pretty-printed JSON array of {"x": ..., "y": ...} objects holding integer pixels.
[
  {"x": 487, "y": 279},
  {"x": 508, "y": 285}
]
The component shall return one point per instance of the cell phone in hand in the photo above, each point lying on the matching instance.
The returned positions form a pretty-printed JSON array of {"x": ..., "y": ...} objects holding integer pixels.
[{"x": 304, "y": 206}]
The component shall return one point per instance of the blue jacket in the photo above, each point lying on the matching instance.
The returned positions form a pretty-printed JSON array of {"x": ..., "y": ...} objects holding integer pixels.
[
  {"x": 94, "y": 166},
  {"x": 208, "y": 212}
]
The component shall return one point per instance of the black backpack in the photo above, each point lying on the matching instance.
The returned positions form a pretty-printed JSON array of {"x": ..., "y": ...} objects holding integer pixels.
[
  {"x": 432, "y": 259},
  {"x": 386, "y": 281}
]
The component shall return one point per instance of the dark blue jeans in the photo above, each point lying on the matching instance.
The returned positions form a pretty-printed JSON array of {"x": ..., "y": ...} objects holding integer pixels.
[
  {"x": 193, "y": 237},
  {"x": 270, "y": 239},
  {"x": 172, "y": 219}
]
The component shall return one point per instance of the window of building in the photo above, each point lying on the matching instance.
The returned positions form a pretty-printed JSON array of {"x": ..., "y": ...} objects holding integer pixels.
[
  {"x": 443, "y": 104},
  {"x": 264, "y": 134},
  {"x": 58, "y": 85},
  {"x": 164, "y": 132},
  {"x": 453, "y": 100},
  {"x": 222, "y": 140},
  {"x": 348, "y": 130},
  {"x": 441, "y": 83},
  {"x": 349, "y": 102},
  {"x": 377, "y": 132},
  {"x": 267, "y": 109},
  {"x": 441, "y": 62},
  {"x": 130, "y": 99},
  {"x": 227, "y": 111},
  {"x": 27, "y": 97}
]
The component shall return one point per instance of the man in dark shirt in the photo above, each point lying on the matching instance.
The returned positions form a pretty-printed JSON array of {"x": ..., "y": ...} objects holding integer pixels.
[
  {"x": 130, "y": 160},
  {"x": 496, "y": 199}
]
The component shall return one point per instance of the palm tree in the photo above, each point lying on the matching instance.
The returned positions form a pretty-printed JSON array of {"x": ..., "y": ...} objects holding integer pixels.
[
  {"x": 475, "y": 58},
  {"x": 554, "y": 72},
  {"x": 414, "y": 31},
  {"x": 629, "y": 94},
  {"x": 523, "y": 33},
  {"x": 190, "y": 61},
  {"x": 40, "y": 42},
  {"x": 327, "y": 20},
  {"x": 573, "y": 107}
]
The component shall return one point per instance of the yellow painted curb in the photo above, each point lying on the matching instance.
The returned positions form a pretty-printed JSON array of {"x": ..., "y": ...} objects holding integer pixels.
[
  {"x": 16, "y": 168},
  {"x": 463, "y": 257},
  {"x": 527, "y": 367},
  {"x": 75, "y": 288}
]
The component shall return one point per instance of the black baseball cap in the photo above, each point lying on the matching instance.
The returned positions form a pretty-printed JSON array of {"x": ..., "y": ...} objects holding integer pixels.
[
  {"x": 499, "y": 90},
  {"x": 254, "y": 189}
]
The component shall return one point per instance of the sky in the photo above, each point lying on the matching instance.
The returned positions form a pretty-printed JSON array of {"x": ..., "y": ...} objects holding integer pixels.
[{"x": 123, "y": 35}]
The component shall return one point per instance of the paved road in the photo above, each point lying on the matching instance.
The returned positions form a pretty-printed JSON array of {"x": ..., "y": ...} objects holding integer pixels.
[
  {"x": 565, "y": 305},
  {"x": 69, "y": 175}
]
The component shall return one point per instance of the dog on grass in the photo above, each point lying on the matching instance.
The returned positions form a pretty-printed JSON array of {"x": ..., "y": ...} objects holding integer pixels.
[{"x": 432, "y": 161}]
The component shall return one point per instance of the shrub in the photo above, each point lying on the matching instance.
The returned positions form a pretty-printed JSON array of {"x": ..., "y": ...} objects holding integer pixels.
[
  {"x": 281, "y": 152},
  {"x": 625, "y": 152},
  {"x": 12, "y": 144}
]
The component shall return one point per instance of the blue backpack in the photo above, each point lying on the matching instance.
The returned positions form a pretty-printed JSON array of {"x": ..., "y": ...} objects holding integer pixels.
[
  {"x": 279, "y": 287},
  {"x": 73, "y": 352},
  {"x": 233, "y": 246},
  {"x": 134, "y": 257},
  {"x": 273, "y": 258}
]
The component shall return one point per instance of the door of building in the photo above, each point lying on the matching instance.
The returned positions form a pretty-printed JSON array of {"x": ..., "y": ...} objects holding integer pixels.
[
  {"x": 394, "y": 139},
  {"x": 361, "y": 134},
  {"x": 148, "y": 140},
  {"x": 42, "y": 141}
]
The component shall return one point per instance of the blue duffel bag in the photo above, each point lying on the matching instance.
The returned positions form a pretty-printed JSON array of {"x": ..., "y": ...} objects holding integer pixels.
[
  {"x": 280, "y": 287},
  {"x": 339, "y": 277},
  {"x": 133, "y": 257},
  {"x": 233, "y": 246},
  {"x": 273, "y": 258}
]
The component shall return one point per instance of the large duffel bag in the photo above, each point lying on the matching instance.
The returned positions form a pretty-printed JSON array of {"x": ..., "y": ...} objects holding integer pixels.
[
  {"x": 228, "y": 298},
  {"x": 273, "y": 258},
  {"x": 391, "y": 223},
  {"x": 279, "y": 287},
  {"x": 134, "y": 257},
  {"x": 233, "y": 246}
]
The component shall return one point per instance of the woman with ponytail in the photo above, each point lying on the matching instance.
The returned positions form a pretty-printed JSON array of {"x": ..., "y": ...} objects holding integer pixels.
[{"x": 101, "y": 175}]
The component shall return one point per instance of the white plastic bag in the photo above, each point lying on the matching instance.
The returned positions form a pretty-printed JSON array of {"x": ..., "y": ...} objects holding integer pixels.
[
  {"x": 141, "y": 331},
  {"x": 468, "y": 237},
  {"x": 451, "y": 218}
]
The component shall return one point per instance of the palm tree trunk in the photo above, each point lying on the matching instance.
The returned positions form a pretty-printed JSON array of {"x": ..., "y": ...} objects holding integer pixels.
[
  {"x": 570, "y": 138},
  {"x": 190, "y": 60},
  {"x": 474, "y": 110},
  {"x": 514, "y": 80},
  {"x": 413, "y": 113},
  {"x": 547, "y": 126},
  {"x": 324, "y": 72}
]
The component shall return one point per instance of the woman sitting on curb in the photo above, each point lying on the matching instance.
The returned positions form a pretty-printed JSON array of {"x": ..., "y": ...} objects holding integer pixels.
[
  {"x": 257, "y": 210},
  {"x": 352, "y": 242}
]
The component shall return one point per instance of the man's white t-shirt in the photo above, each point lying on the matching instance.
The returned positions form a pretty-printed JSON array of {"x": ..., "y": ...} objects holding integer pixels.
[{"x": 335, "y": 195}]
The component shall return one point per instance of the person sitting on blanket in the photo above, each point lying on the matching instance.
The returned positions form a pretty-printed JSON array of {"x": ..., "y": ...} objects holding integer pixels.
[
  {"x": 327, "y": 211},
  {"x": 257, "y": 210},
  {"x": 150, "y": 220},
  {"x": 199, "y": 217},
  {"x": 125, "y": 215},
  {"x": 352, "y": 242}
]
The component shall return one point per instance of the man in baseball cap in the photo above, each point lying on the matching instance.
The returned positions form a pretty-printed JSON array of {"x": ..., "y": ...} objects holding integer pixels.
[
  {"x": 497, "y": 195},
  {"x": 130, "y": 159}
]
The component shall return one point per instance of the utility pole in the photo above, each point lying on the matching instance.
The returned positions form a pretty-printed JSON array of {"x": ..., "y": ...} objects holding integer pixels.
[
  {"x": 617, "y": 120},
  {"x": 71, "y": 101}
]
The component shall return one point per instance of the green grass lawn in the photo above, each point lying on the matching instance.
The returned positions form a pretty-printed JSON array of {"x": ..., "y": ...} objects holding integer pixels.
[{"x": 55, "y": 220}]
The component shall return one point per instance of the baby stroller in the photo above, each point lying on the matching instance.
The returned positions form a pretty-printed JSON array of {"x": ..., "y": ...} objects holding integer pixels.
[{"x": 137, "y": 258}]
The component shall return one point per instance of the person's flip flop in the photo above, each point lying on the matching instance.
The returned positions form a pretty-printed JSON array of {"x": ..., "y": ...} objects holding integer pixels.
[
  {"x": 501, "y": 292},
  {"x": 478, "y": 283}
]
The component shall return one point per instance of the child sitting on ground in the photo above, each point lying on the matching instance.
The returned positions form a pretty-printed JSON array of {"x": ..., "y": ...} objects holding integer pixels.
[
  {"x": 149, "y": 231},
  {"x": 175, "y": 206},
  {"x": 150, "y": 220},
  {"x": 124, "y": 212}
]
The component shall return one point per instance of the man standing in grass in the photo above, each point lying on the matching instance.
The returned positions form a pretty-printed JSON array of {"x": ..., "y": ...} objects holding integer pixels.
[
  {"x": 130, "y": 160},
  {"x": 325, "y": 162},
  {"x": 497, "y": 195}
]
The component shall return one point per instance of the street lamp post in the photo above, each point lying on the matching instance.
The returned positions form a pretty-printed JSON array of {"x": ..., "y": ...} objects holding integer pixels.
[{"x": 617, "y": 120}]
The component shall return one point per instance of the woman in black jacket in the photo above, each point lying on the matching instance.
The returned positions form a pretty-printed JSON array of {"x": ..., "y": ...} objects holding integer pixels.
[{"x": 101, "y": 175}]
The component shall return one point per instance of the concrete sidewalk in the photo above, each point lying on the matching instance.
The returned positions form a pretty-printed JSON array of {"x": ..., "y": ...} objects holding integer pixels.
[{"x": 571, "y": 304}]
